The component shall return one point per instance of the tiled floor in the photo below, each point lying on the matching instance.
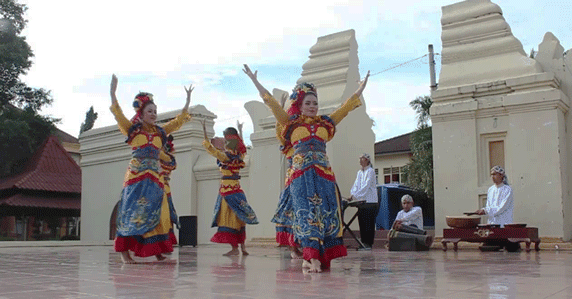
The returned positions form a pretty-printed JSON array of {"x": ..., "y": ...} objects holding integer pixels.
[{"x": 96, "y": 272}]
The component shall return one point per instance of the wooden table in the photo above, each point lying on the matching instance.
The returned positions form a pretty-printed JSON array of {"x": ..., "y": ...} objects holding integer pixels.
[{"x": 483, "y": 234}]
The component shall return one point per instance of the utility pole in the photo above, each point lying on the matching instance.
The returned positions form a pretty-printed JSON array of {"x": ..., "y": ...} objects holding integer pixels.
[{"x": 432, "y": 68}]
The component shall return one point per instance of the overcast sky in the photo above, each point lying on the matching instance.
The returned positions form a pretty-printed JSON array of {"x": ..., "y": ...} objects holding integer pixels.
[{"x": 159, "y": 46}]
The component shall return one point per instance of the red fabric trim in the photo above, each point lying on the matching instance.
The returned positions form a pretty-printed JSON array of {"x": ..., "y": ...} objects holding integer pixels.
[
  {"x": 285, "y": 239},
  {"x": 299, "y": 173},
  {"x": 143, "y": 177},
  {"x": 330, "y": 254},
  {"x": 144, "y": 250},
  {"x": 234, "y": 189},
  {"x": 229, "y": 238}
]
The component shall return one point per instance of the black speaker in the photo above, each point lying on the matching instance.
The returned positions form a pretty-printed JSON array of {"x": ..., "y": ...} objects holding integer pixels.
[{"x": 188, "y": 231}]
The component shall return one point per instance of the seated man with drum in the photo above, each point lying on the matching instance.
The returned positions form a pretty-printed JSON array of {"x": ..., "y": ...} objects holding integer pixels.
[{"x": 407, "y": 231}]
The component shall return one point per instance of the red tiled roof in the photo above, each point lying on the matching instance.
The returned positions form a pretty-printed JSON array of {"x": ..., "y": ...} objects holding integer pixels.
[
  {"x": 51, "y": 168},
  {"x": 39, "y": 201},
  {"x": 398, "y": 144}
]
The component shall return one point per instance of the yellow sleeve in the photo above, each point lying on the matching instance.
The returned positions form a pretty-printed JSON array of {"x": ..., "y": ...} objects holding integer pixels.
[
  {"x": 279, "y": 129},
  {"x": 164, "y": 157},
  {"x": 122, "y": 122},
  {"x": 277, "y": 110},
  {"x": 177, "y": 122},
  {"x": 351, "y": 104},
  {"x": 215, "y": 152}
]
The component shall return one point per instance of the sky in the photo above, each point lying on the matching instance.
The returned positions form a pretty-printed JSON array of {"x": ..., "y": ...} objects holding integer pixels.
[{"x": 159, "y": 47}]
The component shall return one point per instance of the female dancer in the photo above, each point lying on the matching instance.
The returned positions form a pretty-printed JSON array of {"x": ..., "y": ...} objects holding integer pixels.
[
  {"x": 315, "y": 198},
  {"x": 232, "y": 212},
  {"x": 143, "y": 220}
]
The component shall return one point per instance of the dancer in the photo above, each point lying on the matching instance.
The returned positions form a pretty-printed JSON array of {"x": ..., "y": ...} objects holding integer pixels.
[
  {"x": 232, "y": 212},
  {"x": 285, "y": 211},
  {"x": 143, "y": 220},
  {"x": 168, "y": 164},
  {"x": 315, "y": 198}
]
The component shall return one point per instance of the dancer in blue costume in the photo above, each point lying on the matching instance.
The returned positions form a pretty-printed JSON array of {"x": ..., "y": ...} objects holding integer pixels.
[
  {"x": 317, "y": 219},
  {"x": 143, "y": 219},
  {"x": 232, "y": 212}
]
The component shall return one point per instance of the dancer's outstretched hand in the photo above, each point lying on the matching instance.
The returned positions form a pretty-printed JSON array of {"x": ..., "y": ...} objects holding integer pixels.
[
  {"x": 113, "y": 89},
  {"x": 253, "y": 76},
  {"x": 362, "y": 85},
  {"x": 239, "y": 126},
  {"x": 248, "y": 72},
  {"x": 188, "y": 102}
]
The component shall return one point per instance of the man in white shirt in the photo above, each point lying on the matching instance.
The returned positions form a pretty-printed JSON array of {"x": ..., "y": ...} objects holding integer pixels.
[
  {"x": 410, "y": 215},
  {"x": 407, "y": 229},
  {"x": 364, "y": 189},
  {"x": 499, "y": 207},
  {"x": 500, "y": 202}
]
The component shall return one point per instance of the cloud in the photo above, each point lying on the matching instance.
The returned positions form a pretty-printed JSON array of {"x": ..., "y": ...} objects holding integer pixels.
[{"x": 159, "y": 47}]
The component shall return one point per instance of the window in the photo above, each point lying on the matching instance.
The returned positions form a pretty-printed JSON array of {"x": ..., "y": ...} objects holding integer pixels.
[
  {"x": 376, "y": 176},
  {"x": 491, "y": 153},
  {"x": 496, "y": 153},
  {"x": 393, "y": 175}
]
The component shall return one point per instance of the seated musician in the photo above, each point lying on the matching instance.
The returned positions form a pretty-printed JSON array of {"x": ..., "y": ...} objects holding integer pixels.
[
  {"x": 500, "y": 204},
  {"x": 364, "y": 189},
  {"x": 408, "y": 227},
  {"x": 410, "y": 215}
]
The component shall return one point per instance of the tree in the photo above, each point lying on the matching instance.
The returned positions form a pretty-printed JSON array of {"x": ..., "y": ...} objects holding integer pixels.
[
  {"x": 22, "y": 129},
  {"x": 419, "y": 171},
  {"x": 90, "y": 117}
]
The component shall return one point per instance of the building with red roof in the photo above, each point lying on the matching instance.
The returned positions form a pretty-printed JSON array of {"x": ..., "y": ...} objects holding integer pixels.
[{"x": 44, "y": 200}]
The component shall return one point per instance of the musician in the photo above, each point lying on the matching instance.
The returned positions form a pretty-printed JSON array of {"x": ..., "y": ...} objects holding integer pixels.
[
  {"x": 410, "y": 215},
  {"x": 499, "y": 207},
  {"x": 500, "y": 202},
  {"x": 364, "y": 189}
]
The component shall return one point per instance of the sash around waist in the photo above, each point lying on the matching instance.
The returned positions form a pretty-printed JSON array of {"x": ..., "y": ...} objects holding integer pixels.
[{"x": 309, "y": 158}]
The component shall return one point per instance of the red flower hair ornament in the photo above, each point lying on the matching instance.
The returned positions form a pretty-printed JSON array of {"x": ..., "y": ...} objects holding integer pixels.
[{"x": 142, "y": 99}]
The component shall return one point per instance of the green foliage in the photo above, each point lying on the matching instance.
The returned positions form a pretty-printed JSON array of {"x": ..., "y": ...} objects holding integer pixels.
[
  {"x": 21, "y": 130},
  {"x": 90, "y": 117},
  {"x": 419, "y": 171},
  {"x": 421, "y": 106}
]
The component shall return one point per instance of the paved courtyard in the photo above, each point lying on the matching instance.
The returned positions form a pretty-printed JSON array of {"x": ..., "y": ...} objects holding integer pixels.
[{"x": 268, "y": 272}]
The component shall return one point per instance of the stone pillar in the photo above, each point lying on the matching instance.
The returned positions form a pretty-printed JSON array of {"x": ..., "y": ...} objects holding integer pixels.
[
  {"x": 492, "y": 94},
  {"x": 333, "y": 68}
]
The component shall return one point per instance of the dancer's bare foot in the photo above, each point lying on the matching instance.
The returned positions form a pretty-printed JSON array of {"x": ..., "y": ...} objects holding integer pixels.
[
  {"x": 160, "y": 257},
  {"x": 126, "y": 258},
  {"x": 315, "y": 266},
  {"x": 243, "y": 249},
  {"x": 295, "y": 254},
  {"x": 306, "y": 264},
  {"x": 234, "y": 251}
]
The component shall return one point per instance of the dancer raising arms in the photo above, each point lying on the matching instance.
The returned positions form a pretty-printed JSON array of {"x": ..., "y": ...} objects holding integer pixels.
[
  {"x": 232, "y": 212},
  {"x": 143, "y": 218},
  {"x": 317, "y": 221}
]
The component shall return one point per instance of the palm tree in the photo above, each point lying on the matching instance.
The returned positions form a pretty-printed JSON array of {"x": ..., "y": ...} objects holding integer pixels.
[
  {"x": 419, "y": 171},
  {"x": 421, "y": 106}
]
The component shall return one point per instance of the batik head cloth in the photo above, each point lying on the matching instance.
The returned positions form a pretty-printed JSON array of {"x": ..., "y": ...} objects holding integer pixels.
[
  {"x": 142, "y": 99},
  {"x": 497, "y": 169},
  {"x": 298, "y": 94}
]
